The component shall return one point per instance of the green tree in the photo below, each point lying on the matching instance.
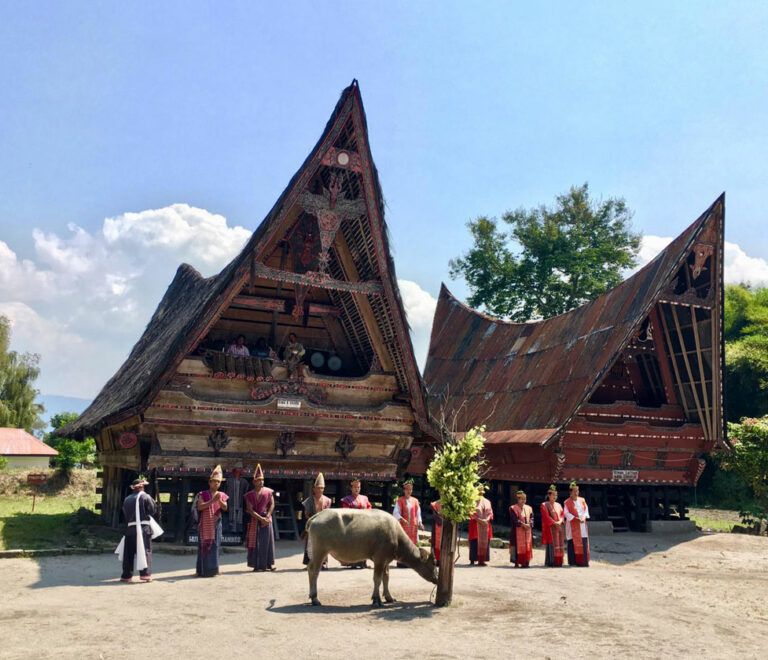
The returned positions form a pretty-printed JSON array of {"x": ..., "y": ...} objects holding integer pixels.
[
  {"x": 746, "y": 352},
  {"x": 455, "y": 473},
  {"x": 75, "y": 453},
  {"x": 18, "y": 372},
  {"x": 551, "y": 260},
  {"x": 72, "y": 453},
  {"x": 57, "y": 422},
  {"x": 749, "y": 460}
]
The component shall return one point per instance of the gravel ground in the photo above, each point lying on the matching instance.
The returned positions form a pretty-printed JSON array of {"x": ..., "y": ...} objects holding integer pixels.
[{"x": 644, "y": 596}]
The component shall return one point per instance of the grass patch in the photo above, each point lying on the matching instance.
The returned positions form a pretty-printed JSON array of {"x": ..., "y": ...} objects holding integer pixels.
[
  {"x": 714, "y": 524},
  {"x": 57, "y": 522},
  {"x": 717, "y": 520}
]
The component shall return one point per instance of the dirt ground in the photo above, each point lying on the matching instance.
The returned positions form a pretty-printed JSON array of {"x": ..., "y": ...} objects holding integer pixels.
[{"x": 643, "y": 596}]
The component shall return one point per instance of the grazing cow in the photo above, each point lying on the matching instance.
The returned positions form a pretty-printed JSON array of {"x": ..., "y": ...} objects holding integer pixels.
[{"x": 352, "y": 535}]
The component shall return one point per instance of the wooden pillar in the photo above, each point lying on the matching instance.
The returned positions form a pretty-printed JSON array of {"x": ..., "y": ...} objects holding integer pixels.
[
  {"x": 447, "y": 560},
  {"x": 181, "y": 513}
]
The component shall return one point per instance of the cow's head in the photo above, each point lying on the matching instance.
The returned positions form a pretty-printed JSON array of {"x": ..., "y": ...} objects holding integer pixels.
[{"x": 427, "y": 568}]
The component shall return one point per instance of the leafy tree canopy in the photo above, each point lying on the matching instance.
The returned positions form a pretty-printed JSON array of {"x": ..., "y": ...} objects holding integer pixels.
[
  {"x": 749, "y": 459},
  {"x": 18, "y": 372},
  {"x": 746, "y": 352},
  {"x": 72, "y": 453},
  {"x": 551, "y": 259}
]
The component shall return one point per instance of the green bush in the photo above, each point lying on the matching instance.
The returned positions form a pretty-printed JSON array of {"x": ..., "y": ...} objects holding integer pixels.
[
  {"x": 75, "y": 453},
  {"x": 3, "y": 463},
  {"x": 749, "y": 460}
]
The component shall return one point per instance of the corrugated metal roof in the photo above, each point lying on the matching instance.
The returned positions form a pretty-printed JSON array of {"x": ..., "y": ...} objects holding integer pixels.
[
  {"x": 534, "y": 376},
  {"x": 17, "y": 442}
]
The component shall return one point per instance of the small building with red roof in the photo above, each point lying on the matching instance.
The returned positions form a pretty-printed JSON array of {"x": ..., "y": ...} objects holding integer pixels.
[{"x": 23, "y": 450}]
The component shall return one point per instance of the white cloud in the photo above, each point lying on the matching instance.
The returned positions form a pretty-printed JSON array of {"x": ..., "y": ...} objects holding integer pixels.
[
  {"x": 740, "y": 268},
  {"x": 86, "y": 297},
  {"x": 195, "y": 235},
  {"x": 66, "y": 356},
  {"x": 743, "y": 269},
  {"x": 419, "y": 309}
]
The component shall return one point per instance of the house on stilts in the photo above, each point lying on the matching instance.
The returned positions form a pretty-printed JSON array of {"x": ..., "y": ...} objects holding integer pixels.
[
  {"x": 623, "y": 394},
  {"x": 318, "y": 266}
]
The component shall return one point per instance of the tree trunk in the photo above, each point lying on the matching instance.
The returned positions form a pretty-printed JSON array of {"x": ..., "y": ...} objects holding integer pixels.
[{"x": 447, "y": 559}]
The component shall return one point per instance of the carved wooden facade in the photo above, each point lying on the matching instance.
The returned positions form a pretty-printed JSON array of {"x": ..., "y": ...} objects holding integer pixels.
[{"x": 318, "y": 267}]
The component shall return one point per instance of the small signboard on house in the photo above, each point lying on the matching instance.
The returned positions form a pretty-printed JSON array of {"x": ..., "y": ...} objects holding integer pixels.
[
  {"x": 288, "y": 404},
  {"x": 626, "y": 475}
]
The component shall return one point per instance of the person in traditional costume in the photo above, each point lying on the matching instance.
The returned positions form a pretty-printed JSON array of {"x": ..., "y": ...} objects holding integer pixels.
[
  {"x": 237, "y": 487},
  {"x": 576, "y": 515},
  {"x": 521, "y": 532},
  {"x": 293, "y": 354},
  {"x": 260, "y": 537},
  {"x": 552, "y": 529},
  {"x": 437, "y": 529},
  {"x": 239, "y": 349},
  {"x": 138, "y": 508},
  {"x": 316, "y": 503},
  {"x": 480, "y": 531},
  {"x": 408, "y": 512},
  {"x": 355, "y": 501},
  {"x": 210, "y": 504}
]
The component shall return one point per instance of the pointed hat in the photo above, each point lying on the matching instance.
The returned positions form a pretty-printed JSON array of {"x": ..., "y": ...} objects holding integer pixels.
[
  {"x": 217, "y": 473},
  {"x": 320, "y": 481},
  {"x": 258, "y": 473}
]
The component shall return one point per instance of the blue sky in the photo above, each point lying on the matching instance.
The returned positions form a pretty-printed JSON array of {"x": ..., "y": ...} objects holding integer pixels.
[{"x": 473, "y": 108}]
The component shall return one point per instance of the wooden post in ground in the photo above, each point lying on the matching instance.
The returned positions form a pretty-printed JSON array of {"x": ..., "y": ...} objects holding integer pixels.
[{"x": 447, "y": 560}]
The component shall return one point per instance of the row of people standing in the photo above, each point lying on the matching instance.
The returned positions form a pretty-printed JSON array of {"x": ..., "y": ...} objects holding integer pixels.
[{"x": 563, "y": 527}]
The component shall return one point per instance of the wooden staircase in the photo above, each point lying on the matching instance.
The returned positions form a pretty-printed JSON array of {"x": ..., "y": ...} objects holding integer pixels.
[
  {"x": 284, "y": 520},
  {"x": 616, "y": 510}
]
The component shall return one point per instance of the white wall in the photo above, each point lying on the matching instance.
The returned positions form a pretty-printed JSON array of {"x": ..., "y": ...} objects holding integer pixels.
[{"x": 28, "y": 462}]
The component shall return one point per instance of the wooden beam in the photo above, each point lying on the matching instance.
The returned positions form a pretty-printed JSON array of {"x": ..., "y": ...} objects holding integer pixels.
[
  {"x": 320, "y": 280},
  {"x": 319, "y": 309},
  {"x": 702, "y": 419},
  {"x": 666, "y": 374},
  {"x": 363, "y": 305},
  {"x": 679, "y": 380},
  {"x": 273, "y": 325},
  {"x": 716, "y": 320},
  {"x": 701, "y": 370},
  {"x": 260, "y": 303}
]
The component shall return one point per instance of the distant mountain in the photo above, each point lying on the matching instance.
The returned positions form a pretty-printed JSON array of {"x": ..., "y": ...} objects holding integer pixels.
[{"x": 55, "y": 404}]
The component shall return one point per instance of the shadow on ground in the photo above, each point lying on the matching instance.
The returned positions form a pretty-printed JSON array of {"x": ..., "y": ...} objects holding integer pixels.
[
  {"x": 628, "y": 547},
  {"x": 397, "y": 611}
]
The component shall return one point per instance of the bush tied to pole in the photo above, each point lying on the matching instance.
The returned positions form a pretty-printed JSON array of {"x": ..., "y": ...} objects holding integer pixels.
[{"x": 455, "y": 473}]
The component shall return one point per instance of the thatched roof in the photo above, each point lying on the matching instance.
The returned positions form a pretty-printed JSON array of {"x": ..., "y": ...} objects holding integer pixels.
[
  {"x": 192, "y": 303},
  {"x": 525, "y": 381}
]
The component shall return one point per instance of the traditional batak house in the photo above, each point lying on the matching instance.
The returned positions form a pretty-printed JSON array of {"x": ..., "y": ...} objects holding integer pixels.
[
  {"x": 319, "y": 267},
  {"x": 623, "y": 394}
]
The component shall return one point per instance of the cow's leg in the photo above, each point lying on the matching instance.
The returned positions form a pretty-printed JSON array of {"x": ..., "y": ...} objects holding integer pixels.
[
  {"x": 378, "y": 570},
  {"x": 313, "y": 570},
  {"x": 385, "y": 584}
]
